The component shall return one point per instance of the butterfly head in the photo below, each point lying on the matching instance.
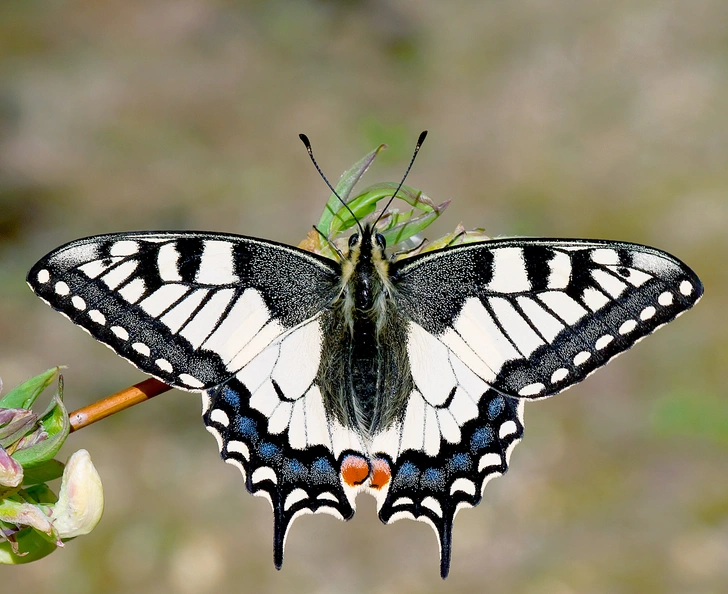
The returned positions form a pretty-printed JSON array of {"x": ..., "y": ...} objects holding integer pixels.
[{"x": 367, "y": 245}]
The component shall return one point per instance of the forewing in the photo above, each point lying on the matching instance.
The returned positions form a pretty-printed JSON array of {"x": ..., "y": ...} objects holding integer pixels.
[
  {"x": 190, "y": 308},
  {"x": 271, "y": 423},
  {"x": 532, "y": 317}
]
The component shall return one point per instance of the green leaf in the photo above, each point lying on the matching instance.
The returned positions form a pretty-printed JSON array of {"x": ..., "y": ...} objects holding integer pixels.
[
  {"x": 25, "y": 394},
  {"x": 39, "y": 494},
  {"x": 56, "y": 423},
  {"x": 31, "y": 546},
  {"x": 334, "y": 209},
  {"x": 365, "y": 204},
  {"x": 406, "y": 225},
  {"x": 42, "y": 473}
]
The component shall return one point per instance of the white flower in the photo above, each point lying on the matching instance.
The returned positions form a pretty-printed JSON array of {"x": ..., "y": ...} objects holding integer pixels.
[{"x": 81, "y": 498}]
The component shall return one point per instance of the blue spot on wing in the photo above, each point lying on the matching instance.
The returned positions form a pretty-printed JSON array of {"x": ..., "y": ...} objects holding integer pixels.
[
  {"x": 407, "y": 475},
  {"x": 269, "y": 451},
  {"x": 322, "y": 471},
  {"x": 247, "y": 428},
  {"x": 481, "y": 439},
  {"x": 459, "y": 463},
  {"x": 432, "y": 478},
  {"x": 231, "y": 397},
  {"x": 495, "y": 407}
]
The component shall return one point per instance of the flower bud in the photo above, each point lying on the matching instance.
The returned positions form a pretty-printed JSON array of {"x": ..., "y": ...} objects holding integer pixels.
[
  {"x": 81, "y": 498},
  {"x": 11, "y": 473}
]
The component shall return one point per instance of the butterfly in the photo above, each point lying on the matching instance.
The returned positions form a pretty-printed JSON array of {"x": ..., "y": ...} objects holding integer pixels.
[{"x": 403, "y": 378}]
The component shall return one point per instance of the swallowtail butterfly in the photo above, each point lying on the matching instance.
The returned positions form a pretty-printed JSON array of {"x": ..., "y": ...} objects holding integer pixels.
[{"x": 404, "y": 378}]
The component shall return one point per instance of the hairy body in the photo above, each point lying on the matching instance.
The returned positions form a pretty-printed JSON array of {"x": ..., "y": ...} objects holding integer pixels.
[{"x": 365, "y": 338}]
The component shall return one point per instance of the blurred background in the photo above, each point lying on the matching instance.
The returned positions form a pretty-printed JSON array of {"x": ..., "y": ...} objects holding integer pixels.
[{"x": 551, "y": 118}]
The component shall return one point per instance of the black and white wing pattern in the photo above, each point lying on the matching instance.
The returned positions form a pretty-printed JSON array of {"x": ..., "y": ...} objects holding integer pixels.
[
  {"x": 190, "y": 308},
  {"x": 486, "y": 326},
  {"x": 238, "y": 319},
  {"x": 493, "y": 324}
]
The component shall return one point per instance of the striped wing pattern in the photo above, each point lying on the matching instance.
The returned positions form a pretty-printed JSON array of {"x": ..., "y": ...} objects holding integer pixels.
[
  {"x": 494, "y": 324},
  {"x": 191, "y": 309},
  {"x": 489, "y": 325}
]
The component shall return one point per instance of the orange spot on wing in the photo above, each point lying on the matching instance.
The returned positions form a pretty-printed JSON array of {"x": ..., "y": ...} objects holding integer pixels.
[
  {"x": 381, "y": 473},
  {"x": 354, "y": 470}
]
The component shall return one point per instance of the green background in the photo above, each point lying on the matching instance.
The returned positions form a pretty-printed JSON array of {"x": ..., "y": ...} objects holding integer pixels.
[{"x": 552, "y": 118}]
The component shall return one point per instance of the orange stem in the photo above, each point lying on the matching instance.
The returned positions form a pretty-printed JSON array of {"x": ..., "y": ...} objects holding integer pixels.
[{"x": 126, "y": 398}]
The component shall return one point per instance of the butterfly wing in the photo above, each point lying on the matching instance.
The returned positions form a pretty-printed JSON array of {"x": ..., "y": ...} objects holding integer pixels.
[
  {"x": 492, "y": 324},
  {"x": 287, "y": 446},
  {"x": 236, "y": 318},
  {"x": 532, "y": 317},
  {"x": 191, "y": 309}
]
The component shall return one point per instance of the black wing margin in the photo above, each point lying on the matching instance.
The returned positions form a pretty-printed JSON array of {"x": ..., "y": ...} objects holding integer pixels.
[{"x": 189, "y": 308}]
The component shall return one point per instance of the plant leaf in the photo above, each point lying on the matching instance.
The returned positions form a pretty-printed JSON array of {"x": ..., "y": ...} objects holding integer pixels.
[
  {"x": 30, "y": 546},
  {"x": 334, "y": 209},
  {"x": 25, "y": 394},
  {"x": 42, "y": 473},
  {"x": 57, "y": 425}
]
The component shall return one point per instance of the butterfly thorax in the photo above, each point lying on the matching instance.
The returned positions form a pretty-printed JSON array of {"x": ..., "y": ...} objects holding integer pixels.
[{"x": 365, "y": 338}]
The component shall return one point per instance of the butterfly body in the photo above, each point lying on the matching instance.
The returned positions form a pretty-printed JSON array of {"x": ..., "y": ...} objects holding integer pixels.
[
  {"x": 367, "y": 377},
  {"x": 405, "y": 379}
]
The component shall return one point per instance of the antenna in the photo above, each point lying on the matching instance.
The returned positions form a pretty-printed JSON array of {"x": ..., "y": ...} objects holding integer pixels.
[
  {"x": 307, "y": 144},
  {"x": 420, "y": 140}
]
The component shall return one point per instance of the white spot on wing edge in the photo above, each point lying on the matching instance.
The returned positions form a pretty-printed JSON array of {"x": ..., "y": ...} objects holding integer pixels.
[
  {"x": 326, "y": 496},
  {"x": 627, "y": 327},
  {"x": 264, "y": 473},
  {"x": 582, "y": 357},
  {"x": 97, "y": 316},
  {"x": 647, "y": 312},
  {"x": 237, "y": 464},
  {"x": 487, "y": 460},
  {"x": 531, "y": 389},
  {"x": 190, "y": 380},
  {"x": 238, "y": 447},
  {"x": 432, "y": 504},
  {"x": 603, "y": 341},
  {"x": 120, "y": 332},
  {"x": 78, "y": 302},
  {"x": 43, "y": 276},
  {"x": 164, "y": 365},
  {"x": 403, "y": 501},
  {"x": 219, "y": 416},
  {"x": 559, "y": 375},
  {"x": 464, "y": 485},
  {"x": 686, "y": 288},
  {"x": 141, "y": 348},
  {"x": 62, "y": 289},
  {"x": 294, "y": 497},
  {"x": 507, "y": 428},
  {"x": 665, "y": 299}
]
